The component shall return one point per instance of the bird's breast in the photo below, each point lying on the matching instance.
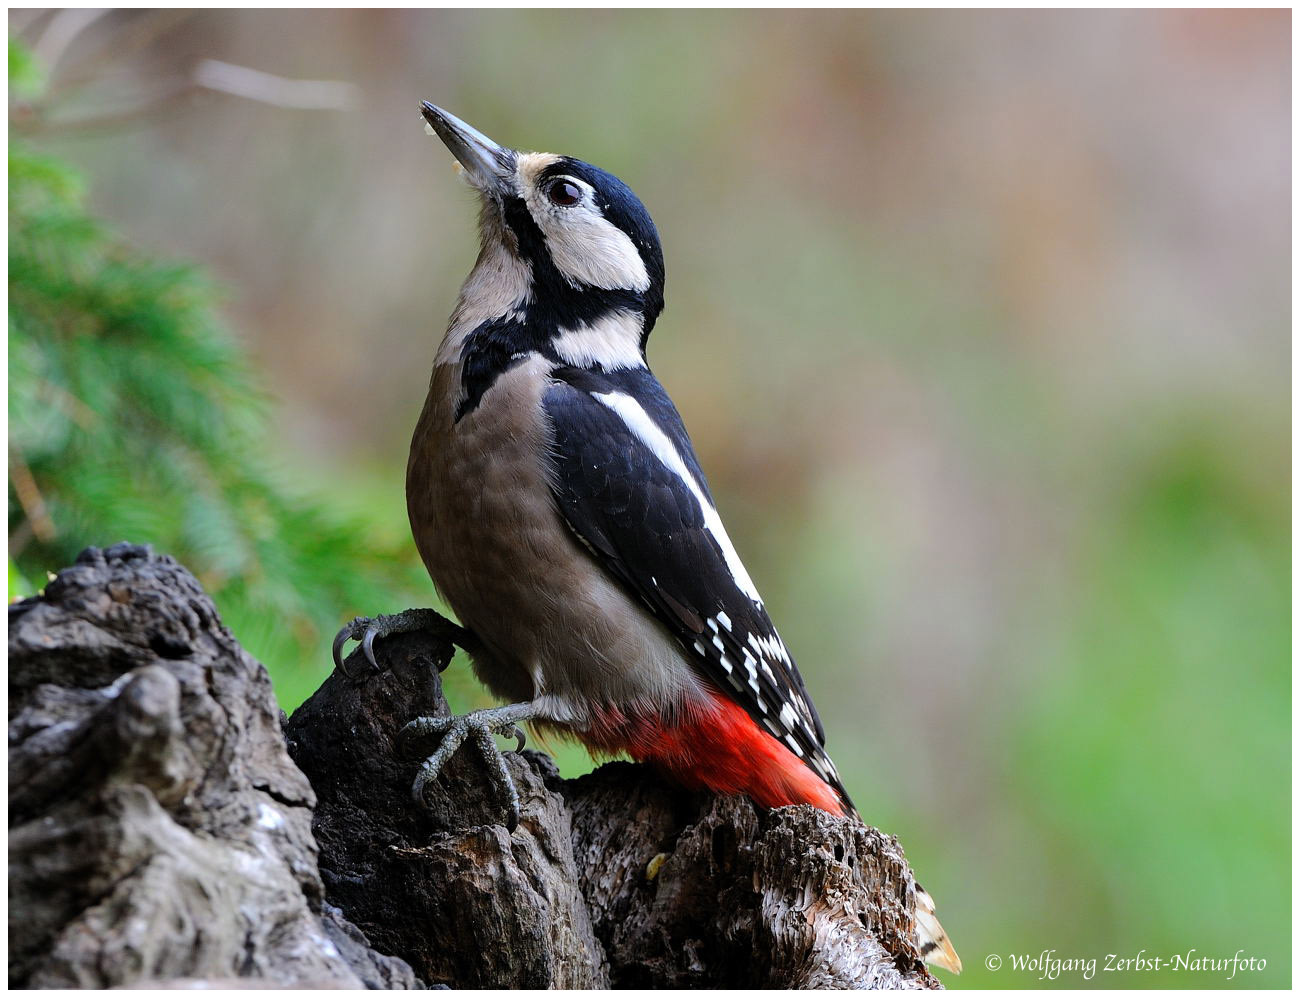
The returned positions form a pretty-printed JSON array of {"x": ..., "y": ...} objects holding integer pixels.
[{"x": 554, "y": 624}]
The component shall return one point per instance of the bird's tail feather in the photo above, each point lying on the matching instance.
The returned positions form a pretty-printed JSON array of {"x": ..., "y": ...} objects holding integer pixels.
[{"x": 936, "y": 947}]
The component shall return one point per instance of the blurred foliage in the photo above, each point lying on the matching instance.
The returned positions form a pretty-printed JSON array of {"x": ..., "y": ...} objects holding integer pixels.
[
  {"x": 133, "y": 414},
  {"x": 25, "y": 78},
  {"x": 1175, "y": 815}
]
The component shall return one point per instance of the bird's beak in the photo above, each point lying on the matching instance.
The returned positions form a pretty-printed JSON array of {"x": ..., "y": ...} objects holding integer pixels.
[{"x": 487, "y": 165}]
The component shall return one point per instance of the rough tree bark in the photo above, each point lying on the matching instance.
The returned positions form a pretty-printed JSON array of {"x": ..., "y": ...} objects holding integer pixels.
[{"x": 166, "y": 825}]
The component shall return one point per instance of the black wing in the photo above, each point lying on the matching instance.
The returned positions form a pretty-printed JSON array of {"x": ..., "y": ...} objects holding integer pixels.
[{"x": 627, "y": 481}]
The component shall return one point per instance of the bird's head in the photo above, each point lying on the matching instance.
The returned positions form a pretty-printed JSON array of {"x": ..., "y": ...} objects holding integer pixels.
[{"x": 588, "y": 244}]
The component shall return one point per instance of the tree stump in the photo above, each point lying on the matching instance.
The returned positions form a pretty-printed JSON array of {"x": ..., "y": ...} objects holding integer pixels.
[{"x": 167, "y": 826}]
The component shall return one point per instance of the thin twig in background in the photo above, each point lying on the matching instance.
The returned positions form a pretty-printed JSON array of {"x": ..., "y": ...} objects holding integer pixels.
[
  {"x": 280, "y": 91},
  {"x": 209, "y": 74},
  {"x": 62, "y": 31},
  {"x": 126, "y": 40},
  {"x": 30, "y": 498},
  {"x": 32, "y": 118}
]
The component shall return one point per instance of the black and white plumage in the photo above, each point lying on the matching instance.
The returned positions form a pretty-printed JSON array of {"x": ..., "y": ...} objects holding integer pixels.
[
  {"x": 629, "y": 485},
  {"x": 620, "y": 464},
  {"x": 560, "y": 508}
]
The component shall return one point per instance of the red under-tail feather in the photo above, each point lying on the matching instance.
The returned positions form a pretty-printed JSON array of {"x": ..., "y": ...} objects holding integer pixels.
[{"x": 718, "y": 747}]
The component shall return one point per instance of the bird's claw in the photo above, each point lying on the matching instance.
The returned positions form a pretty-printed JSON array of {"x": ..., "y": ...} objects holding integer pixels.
[
  {"x": 368, "y": 646},
  {"x": 480, "y": 726},
  {"x": 360, "y": 627},
  {"x": 517, "y": 733},
  {"x": 367, "y": 629}
]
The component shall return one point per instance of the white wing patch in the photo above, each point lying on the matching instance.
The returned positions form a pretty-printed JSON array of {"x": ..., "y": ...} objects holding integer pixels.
[
  {"x": 645, "y": 430},
  {"x": 755, "y": 665}
]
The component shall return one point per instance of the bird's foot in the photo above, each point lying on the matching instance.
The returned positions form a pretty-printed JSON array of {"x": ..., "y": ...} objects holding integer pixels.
[
  {"x": 368, "y": 629},
  {"x": 479, "y": 726}
]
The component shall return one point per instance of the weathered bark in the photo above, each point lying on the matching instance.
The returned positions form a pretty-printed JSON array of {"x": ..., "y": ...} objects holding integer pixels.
[
  {"x": 158, "y": 828},
  {"x": 160, "y": 831}
]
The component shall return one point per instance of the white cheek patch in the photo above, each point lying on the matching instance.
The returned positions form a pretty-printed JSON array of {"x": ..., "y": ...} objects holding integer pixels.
[
  {"x": 588, "y": 249},
  {"x": 585, "y": 247}
]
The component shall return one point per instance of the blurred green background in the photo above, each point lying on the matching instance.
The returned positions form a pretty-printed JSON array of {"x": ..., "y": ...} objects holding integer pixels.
[{"x": 980, "y": 323}]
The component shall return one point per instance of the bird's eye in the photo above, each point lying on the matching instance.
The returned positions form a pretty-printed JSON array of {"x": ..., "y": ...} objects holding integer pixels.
[{"x": 564, "y": 193}]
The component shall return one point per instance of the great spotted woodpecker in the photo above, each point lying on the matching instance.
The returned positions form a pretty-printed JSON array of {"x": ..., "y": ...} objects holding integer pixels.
[{"x": 558, "y": 505}]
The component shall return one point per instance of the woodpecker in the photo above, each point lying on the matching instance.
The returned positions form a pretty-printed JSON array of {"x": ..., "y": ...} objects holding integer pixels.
[{"x": 557, "y": 502}]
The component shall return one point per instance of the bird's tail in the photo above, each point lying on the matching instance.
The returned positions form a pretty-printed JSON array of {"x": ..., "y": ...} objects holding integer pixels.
[
  {"x": 720, "y": 748},
  {"x": 936, "y": 947}
]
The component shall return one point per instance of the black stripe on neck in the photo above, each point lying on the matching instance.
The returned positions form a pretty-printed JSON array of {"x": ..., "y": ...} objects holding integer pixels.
[
  {"x": 489, "y": 351},
  {"x": 555, "y": 304},
  {"x": 497, "y": 345},
  {"x": 556, "y": 301}
]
